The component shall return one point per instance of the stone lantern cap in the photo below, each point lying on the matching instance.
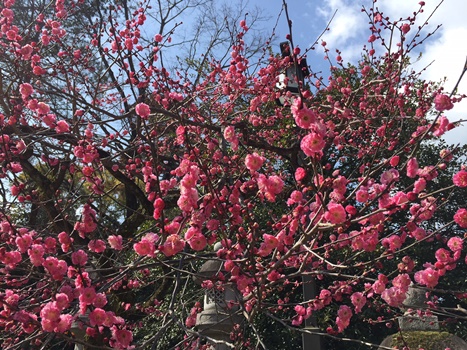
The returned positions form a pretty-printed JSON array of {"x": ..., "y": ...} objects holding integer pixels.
[{"x": 210, "y": 269}]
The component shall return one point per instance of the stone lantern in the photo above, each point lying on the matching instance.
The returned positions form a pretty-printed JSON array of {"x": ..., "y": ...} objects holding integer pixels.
[
  {"x": 221, "y": 309},
  {"x": 420, "y": 331},
  {"x": 294, "y": 76}
]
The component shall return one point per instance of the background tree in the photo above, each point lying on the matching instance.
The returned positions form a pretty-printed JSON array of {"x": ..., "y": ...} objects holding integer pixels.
[{"x": 133, "y": 170}]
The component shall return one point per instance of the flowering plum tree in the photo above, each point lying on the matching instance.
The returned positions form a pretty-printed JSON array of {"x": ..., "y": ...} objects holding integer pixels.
[{"x": 119, "y": 175}]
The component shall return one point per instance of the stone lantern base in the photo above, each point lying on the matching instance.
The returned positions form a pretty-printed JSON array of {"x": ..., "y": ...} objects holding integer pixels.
[
  {"x": 217, "y": 325},
  {"x": 427, "y": 340}
]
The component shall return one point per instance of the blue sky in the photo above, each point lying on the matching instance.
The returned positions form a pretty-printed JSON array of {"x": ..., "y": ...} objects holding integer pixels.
[{"x": 445, "y": 52}]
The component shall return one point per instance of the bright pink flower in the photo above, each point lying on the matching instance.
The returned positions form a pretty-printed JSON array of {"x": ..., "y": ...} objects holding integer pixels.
[
  {"x": 115, "y": 242},
  {"x": 380, "y": 285},
  {"x": 62, "y": 301},
  {"x": 270, "y": 187},
  {"x": 390, "y": 176},
  {"x": 122, "y": 337},
  {"x": 412, "y": 167},
  {"x": 96, "y": 245},
  {"x": 36, "y": 254},
  {"x": 460, "y": 179},
  {"x": 62, "y": 126},
  {"x": 393, "y": 296},
  {"x": 275, "y": 184},
  {"x": 158, "y": 38},
  {"x": 419, "y": 185},
  {"x": 344, "y": 315},
  {"x": 392, "y": 243},
  {"x": 443, "y": 102},
  {"x": 419, "y": 233},
  {"x": 402, "y": 282},
  {"x": 405, "y": 28},
  {"x": 11, "y": 259},
  {"x": 23, "y": 242},
  {"x": 173, "y": 228},
  {"x": 51, "y": 312},
  {"x": 400, "y": 198},
  {"x": 26, "y": 90},
  {"x": 42, "y": 108},
  {"x": 190, "y": 321},
  {"x": 64, "y": 324},
  {"x": 79, "y": 258},
  {"x": 57, "y": 268},
  {"x": 87, "y": 295},
  {"x": 443, "y": 256},
  {"x": 312, "y": 144},
  {"x": 48, "y": 325},
  {"x": 270, "y": 243},
  {"x": 195, "y": 238},
  {"x": 144, "y": 248},
  {"x": 159, "y": 206},
  {"x": 455, "y": 244},
  {"x": 295, "y": 197},
  {"x": 254, "y": 161},
  {"x": 300, "y": 174},
  {"x": 16, "y": 167},
  {"x": 428, "y": 277},
  {"x": 461, "y": 217},
  {"x": 229, "y": 133},
  {"x": 441, "y": 126},
  {"x": 172, "y": 245},
  {"x": 394, "y": 161},
  {"x": 143, "y": 110},
  {"x": 358, "y": 300},
  {"x": 212, "y": 224},
  {"x": 303, "y": 116},
  {"x": 188, "y": 199},
  {"x": 336, "y": 214},
  {"x": 243, "y": 24},
  {"x": 100, "y": 300},
  {"x": 8, "y": 13},
  {"x": 97, "y": 317},
  {"x": 362, "y": 195}
]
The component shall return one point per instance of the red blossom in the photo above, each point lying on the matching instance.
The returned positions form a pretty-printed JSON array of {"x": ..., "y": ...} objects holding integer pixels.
[
  {"x": 461, "y": 217},
  {"x": 443, "y": 103},
  {"x": 460, "y": 179},
  {"x": 143, "y": 110}
]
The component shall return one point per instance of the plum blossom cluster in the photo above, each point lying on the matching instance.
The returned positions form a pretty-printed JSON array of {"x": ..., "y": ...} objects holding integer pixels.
[{"x": 121, "y": 178}]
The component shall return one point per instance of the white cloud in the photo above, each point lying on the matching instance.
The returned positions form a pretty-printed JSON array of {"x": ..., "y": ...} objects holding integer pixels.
[
  {"x": 346, "y": 26},
  {"x": 446, "y": 49},
  {"x": 448, "y": 61}
]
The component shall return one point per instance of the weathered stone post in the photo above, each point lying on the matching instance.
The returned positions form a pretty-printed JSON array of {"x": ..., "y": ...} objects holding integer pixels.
[{"x": 221, "y": 308}]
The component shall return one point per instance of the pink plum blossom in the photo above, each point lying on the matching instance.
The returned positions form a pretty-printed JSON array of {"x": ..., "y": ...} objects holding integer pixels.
[
  {"x": 443, "y": 103},
  {"x": 196, "y": 240},
  {"x": 428, "y": 277},
  {"x": 115, "y": 242},
  {"x": 254, "y": 162},
  {"x": 336, "y": 213},
  {"x": 62, "y": 127},
  {"x": 460, "y": 179},
  {"x": 143, "y": 110},
  {"x": 312, "y": 144},
  {"x": 358, "y": 300},
  {"x": 455, "y": 244},
  {"x": 461, "y": 217},
  {"x": 412, "y": 167}
]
